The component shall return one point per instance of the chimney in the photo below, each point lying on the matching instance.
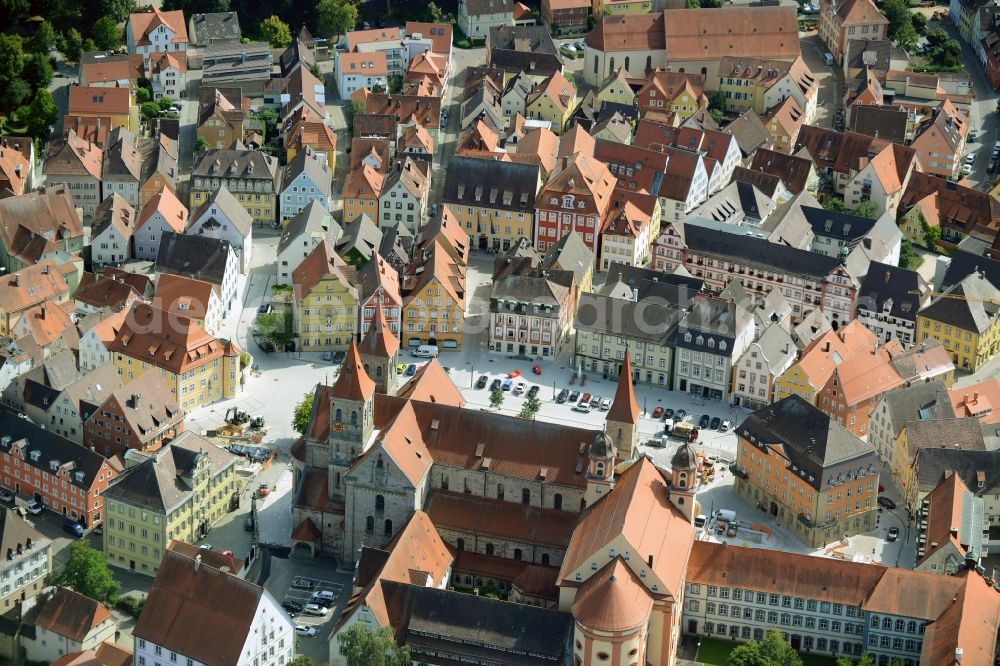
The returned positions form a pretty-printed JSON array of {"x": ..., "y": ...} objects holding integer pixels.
[
  {"x": 954, "y": 531},
  {"x": 45, "y": 269},
  {"x": 649, "y": 561},
  {"x": 826, "y": 347},
  {"x": 17, "y": 280},
  {"x": 975, "y": 396},
  {"x": 197, "y": 562},
  {"x": 965, "y": 398}
]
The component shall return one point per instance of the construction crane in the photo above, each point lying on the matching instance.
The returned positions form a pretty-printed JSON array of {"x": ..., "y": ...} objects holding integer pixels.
[{"x": 957, "y": 297}]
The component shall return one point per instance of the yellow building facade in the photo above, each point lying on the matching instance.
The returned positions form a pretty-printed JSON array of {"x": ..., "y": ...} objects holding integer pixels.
[
  {"x": 434, "y": 300},
  {"x": 262, "y": 205},
  {"x": 326, "y": 303},
  {"x": 144, "y": 510},
  {"x": 795, "y": 381},
  {"x": 968, "y": 349},
  {"x": 611, "y": 8}
]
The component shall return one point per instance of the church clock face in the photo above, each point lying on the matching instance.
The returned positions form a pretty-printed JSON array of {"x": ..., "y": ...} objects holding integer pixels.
[{"x": 338, "y": 427}]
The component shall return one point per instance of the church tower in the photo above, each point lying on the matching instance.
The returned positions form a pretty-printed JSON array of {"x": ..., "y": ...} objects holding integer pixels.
[
  {"x": 623, "y": 417},
  {"x": 352, "y": 418},
  {"x": 380, "y": 353},
  {"x": 601, "y": 469},
  {"x": 684, "y": 480}
]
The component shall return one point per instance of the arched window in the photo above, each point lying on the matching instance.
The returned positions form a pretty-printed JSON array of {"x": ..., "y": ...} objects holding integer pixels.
[
  {"x": 517, "y": 554},
  {"x": 379, "y": 464},
  {"x": 704, "y": 71},
  {"x": 340, "y": 416},
  {"x": 460, "y": 544},
  {"x": 378, "y": 371},
  {"x": 583, "y": 504},
  {"x": 368, "y": 371},
  {"x": 500, "y": 491},
  {"x": 354, "y": 418},
  {"x": 611, "y": 65},
  {"x": 379, "y": 503},
  {"x": 649, "y": 62},
  {"x": 600, "y": 469},
  {"x": 545, "y": 558},
  {"x": 370, "y": 524},
  {"x": 626, "y": 63},
  {"x": 388, "y": 527},
  {"x": 444, "y": 483},
  {"x": 595, "y": 64},
  {"x": 525, "y": 496},
  {"x": 682, "y": 480},
  {"x": 557, "y": 501},
  {"x": 489, "y": 549}
]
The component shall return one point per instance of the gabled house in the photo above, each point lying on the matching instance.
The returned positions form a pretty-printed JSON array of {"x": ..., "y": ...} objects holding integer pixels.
[
  {"x": 224, "y": 117},
  {"x": 576, "y": 197},
  {"x": 63, "y": 409},
  {"x": 940, "y": 140},
  {"x": 149, "y": 410},
  {"x": 93, "y": 111},
  {"x": 121, "y": 168},
  {"x": 313, "y": 225},
  {"x": 38, "y": 226},
  {"x": 68, "y": 622},
  {"x": 159, "y": 167},
  {"x": 103, "y": 293},
  {"x": 111, "y": 232},
  {"x": 28, "y": 287},
  {"x": 76, "y": 164},
  {"x": 842, "y": 22},
  {"x": 477, "y": 17},
  {"x": 222, "y": 217},
  {"x": 163, "y": 213},
  {"x": 362, "y": 191},
  {"x": 306, "y": 178},
  {"x": 95, "y": 342},
  {"x": 198, "y": 300},
  {"x": 552, "y": 100},
  {"x": 305, "y": 130},
  {"x": 152, "y": 31},
  {"x": 404, "y": 195},
  {"x": 17, "y": 165},
  {"x": 677, "y": 92},
  {"x": 167, "y": 71},
  {"x": 201, "y": 257},
  {"x": 322, "y": 278},
  {"x": 434, "y": 271}
]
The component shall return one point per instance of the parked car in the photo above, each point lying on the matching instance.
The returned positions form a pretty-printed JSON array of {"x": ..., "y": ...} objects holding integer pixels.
[
  {"x": 563, "y": 395},
  {"x": 206, "y": 546},
  {"x": 35, "y": 507},
  {"x": 6, "y": 496},
  {"x": 658, "y": 413},
  {"x": 508, "y": 384},
  {"x": 264, "y": 308},
  {"x": 886, "y": 503},
  {"x": 482, "y": 382},
  {"x": 520, "y": 388},
  {"x": 992, "y": 167},
  {"x": 705, "y": 420},
  {"x": 966, "y": 169},
  {"x": 411, "y": 370},
  {"x": 970, "y": 158},
  {"x": 291, "y": 606},
  {"x": 248, "y": 524},
  {"x": 574, "y": 396},
  {"x": 668, "y": 414},
  {"x": 893, "y": 534},
  {"x": 328, "y": 356},
  {"x": 338, "y": 357},
  {"x": 73, "y": 527},
  {"x": 400, "y": 368},
  {"x": 303, "y": 630},
  {"x": 605, "y": 404},
  {"x": 681, "y": 413},
  {"x": 595, "y": 402},
  {"x": 585, "y": 398},
  {"x": 300, "y": 583},
  {"x": 582, "y": 406},
  {"x": 316, "y": 609},
  {"x": 716, "y": 422},
  {"x": 579, "y": 46},
  {"x": 533, "y": 391},
  {"x": 726, "y": 425},
  {"x": 323, "y": 598},
  {"x": 495, "y": 384},
  {"x": 732, "y": 530}
]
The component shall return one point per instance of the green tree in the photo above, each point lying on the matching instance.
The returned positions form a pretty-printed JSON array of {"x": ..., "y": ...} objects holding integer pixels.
[
  {"x": 496, "y": 398},
  {"x": 17, "y": 92},
  {"x": 717, "y": 116},
  {"x": 931, "y": 234},
  {"x": 900, "y": 22},
  {"x": 40, "y": 115},
  {"x": 302, "y": 660},
  {"x": 335, "y": 17},
  {"x": 196, "y": 6},
  {"x": 165, "y": 103},
  {"x": 693, "y": 4},
  {"x": 395, "y": 84},
  {"x": 142, "y": 95},
  {"x": 355, "y": 108},
  {"x": 116, "y": 10},
  {"x": 303, "y": 410},
  {"x": 72, "y": 44},
  {"x": 44, "y": 38},
  {"x": 717, "y": 101},
  {"x": 11, "y": 57},
  {"x": 106, "y": 34},
  {"x": 433, "y": 13},
  {"x": 275, "y": 32},
  {"x": 865, "y": 660},
  {"x": 836, "y": 204},
  {"x": 150, "y": 110},
  {"x": 364, "y": 647},
  {"x": 87, "y": 572},
  {"x": 937, "y": 37},
  {"x": 201, "y": 145},
  {"x": 530, "y": 408},
  {"x": 37, "y": 70},
  {"x": 907, "y": 257},
  {"x": 869, "y": 209},
  {"x": 919, "y": 22},
  {"x": 772, "y": 651}
]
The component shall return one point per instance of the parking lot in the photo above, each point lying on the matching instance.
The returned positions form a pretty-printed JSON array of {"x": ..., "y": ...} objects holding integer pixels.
[{"x": 302, "y": 589}]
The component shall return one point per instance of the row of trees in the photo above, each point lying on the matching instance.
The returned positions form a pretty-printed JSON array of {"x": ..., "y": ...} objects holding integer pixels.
[
  {"x": 24, "y": 76},
  {"x": 276, "y": 20},
  {"x": 774, "y": 650}
]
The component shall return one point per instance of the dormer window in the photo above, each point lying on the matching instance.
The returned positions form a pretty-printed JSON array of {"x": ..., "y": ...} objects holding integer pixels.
[{"x": 35, "y": 455}]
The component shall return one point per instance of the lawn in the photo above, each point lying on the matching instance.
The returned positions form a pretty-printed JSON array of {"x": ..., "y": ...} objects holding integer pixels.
[{"x": 714, "y": 652}]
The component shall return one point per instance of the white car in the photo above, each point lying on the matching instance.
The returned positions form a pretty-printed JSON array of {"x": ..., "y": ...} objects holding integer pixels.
[
  {"x": 966, "y": 169},
  {"x": 520, "y": 388},
  {"x": 726, "y": 425},
  {"x": 35, "y": 507},
  {"x": 582, "y": 407},
  {"x": 970, "y": 158},
  {"x": 323, "y": 596},
  {"x": 605, "y": 404},
  {"x": 316, "y": 609},
  {"x": 303, "y": 630}
]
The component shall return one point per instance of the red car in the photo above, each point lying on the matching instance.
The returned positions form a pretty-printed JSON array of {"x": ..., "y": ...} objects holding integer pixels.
[
  {"x": 658, "y": 413},
  {"x": 586, "y": 398}
]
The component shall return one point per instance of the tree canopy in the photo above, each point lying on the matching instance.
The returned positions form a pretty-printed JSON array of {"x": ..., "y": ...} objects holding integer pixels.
[
  {"x": 335, "y": 17},
  {"x": 364, "y": 647},
  {"x": 87, "y": 572},
  {"x": 303, "y": 410},
  {"x": 275, "y": 32},
  {"x": 772, "y": 651},
  {"x": 901, "y": 28}
]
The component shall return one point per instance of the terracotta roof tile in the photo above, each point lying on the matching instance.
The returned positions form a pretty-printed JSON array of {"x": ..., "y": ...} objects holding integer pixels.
[
  {"x": 432, "y": 384},
  {"x": 142, "y": 23},
  {"x": 757, "y": 32},
  {"x": 499, "y": 518},
  {"x": 380, "y": 342},
  {"x": 71, "y": 615},
  {"x": 613, "y": 600},
  {"x": 624, "y": 408},
  {"x": 353, "y": 383}
]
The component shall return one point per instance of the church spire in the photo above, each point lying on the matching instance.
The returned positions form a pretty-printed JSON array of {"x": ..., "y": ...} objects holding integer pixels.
[
  {"x": 380, "y": 342},
  {"x": 353, "y": 382},
  {"x": 625, "y": 409}
]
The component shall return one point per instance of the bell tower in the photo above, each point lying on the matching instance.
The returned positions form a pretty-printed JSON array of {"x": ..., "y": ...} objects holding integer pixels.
[
  {"x": 623, "y": 417},
  {"x": 600, "y": 469},
  {"x": 352, "y": 418},
  {"x": 380, "y": 353},
  {"x": 684, "y": 480}
]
